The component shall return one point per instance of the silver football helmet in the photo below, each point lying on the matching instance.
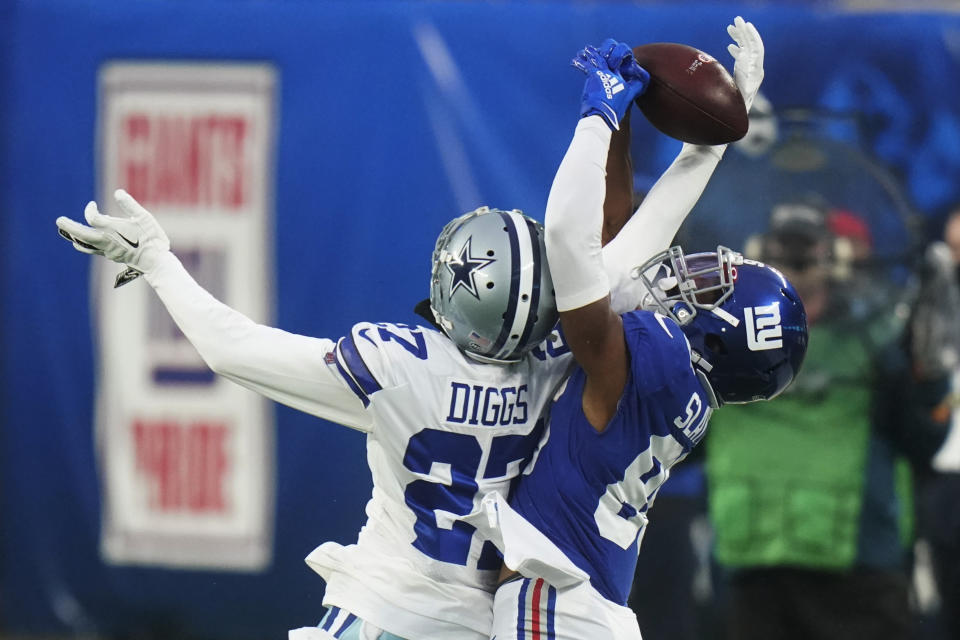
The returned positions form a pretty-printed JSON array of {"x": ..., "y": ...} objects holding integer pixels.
[{"x": 490, "y": 289}]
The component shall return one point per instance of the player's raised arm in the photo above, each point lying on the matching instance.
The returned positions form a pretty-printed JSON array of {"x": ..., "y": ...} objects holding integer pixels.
[
  {"x": 618, "y": 205},
  {"x": 574, "y": 220},
  {"x": 282, "y": 366},
  {"x": 665, "y": 207}
]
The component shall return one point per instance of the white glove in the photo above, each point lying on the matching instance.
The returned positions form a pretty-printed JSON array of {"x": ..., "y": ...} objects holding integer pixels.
[
  {"x": 748, "y": 58},
  {"x": 137, "y": 240}
]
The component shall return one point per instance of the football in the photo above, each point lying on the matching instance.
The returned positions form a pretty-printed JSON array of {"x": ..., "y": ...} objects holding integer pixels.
[{"x": 691, "y": 96}]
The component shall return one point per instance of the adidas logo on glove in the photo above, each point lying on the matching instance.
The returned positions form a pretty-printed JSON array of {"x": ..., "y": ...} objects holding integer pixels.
[{"x": 611, "y": 83}]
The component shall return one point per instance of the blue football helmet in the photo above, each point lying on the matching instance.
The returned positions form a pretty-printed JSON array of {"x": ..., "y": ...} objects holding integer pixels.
[{"x": 745, "y": 323}]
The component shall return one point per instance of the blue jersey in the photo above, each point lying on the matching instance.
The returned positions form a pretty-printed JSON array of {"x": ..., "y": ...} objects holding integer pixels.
[{"x": 589, "y": 492}]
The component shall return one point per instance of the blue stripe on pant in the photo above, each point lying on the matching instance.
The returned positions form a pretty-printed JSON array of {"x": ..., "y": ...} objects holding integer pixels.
[
  {"x": 328, "y": 619},
  {"x": 522, "y": 610},
  {"x": 346, "y": 625},
  {"x": 352, "y": 627}
]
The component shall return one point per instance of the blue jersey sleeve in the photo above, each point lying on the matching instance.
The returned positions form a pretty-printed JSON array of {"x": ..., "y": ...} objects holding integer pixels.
[
  {"x": 661, "y": 369},
  {"x": 659, "y": 351}
]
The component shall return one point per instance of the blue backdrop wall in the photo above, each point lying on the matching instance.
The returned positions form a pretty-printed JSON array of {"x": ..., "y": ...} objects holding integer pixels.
[{"x": 382, "y": 136}]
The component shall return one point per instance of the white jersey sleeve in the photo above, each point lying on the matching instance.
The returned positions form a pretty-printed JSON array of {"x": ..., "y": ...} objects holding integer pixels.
[
  {"x": 574, "y": 217},
  {"x": 288, "y": 368},
  {"x": 658, "y": 218},
  {"x": 377, "y": 356},
  {"x": 582, "y": 272}
]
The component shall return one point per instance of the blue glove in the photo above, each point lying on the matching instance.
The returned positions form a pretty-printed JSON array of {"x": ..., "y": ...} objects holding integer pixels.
[
  {"x": 619, "y": 57},
  {"x": 614, "y": 79}
]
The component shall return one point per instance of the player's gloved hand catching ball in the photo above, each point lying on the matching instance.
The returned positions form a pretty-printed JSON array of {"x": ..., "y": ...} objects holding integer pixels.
[
  {"x": 614, "y": 79},
  {"x": 136, "y": 240},
  {"x": 748, "y": 58},
  {"x": 619, "y": 57}
]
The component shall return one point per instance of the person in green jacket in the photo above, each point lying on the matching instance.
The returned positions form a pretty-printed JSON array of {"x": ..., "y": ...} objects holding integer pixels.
[{"x": 806, "y": 493}]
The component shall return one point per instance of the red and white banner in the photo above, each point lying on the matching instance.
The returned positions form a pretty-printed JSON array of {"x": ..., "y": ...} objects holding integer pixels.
[{"x": 186, "y": 458}]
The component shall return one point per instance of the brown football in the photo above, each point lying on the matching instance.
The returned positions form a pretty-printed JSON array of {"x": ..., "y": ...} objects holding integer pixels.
[{"x": 691, "y": 96}]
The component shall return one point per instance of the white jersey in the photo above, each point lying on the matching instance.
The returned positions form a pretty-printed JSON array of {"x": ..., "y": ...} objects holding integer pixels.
[
  {"x": 446, "y": 430},
  {"x": 442, "y": 431}
]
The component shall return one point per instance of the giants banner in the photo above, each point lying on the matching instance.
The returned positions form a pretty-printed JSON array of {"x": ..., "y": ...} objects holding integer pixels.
[{"x": 186, "y": 458}]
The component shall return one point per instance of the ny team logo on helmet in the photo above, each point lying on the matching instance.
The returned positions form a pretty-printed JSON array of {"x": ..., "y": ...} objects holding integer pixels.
[
  {"x": 490, "y": 288},
  {"x": 745, "y": 323}
]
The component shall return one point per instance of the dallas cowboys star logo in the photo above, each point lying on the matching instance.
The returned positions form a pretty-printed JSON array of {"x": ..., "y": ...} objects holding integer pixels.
[{"x": 463, "y": 269}]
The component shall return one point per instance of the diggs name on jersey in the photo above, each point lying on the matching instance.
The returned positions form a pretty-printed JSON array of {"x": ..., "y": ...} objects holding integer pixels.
[{"x": 476, "y": 404}]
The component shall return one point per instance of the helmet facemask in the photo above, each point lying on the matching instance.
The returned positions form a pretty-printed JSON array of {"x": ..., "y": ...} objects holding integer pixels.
[{"x": 680, "y": 286}]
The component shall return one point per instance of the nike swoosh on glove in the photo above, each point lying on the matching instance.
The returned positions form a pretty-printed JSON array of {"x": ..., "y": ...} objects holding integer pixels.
[{"x": 136, "y": 240}]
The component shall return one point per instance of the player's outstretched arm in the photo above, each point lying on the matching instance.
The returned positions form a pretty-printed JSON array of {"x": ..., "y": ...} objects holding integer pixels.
[
  {"x": 657, "y": 220},
  {"x": 574, "y": 221},
  {"x": 285, "y": 367},
  {"x": 618, "y": 203}
]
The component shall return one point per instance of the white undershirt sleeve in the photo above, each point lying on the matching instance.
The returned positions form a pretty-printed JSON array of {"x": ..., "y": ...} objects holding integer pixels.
[
  {"x": 574, "y": 217},
  {"x": 657, "y": 220},
  {"x": 284, "y": 367}
]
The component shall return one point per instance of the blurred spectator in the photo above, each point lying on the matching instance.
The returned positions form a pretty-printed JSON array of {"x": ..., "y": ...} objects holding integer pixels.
[
  {"x": 935, "y": 339},
  {"x": 805, "y": 494}
]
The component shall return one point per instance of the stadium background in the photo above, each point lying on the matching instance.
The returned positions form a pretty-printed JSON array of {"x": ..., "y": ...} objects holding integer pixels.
[{"x": 391, "y": 117}]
